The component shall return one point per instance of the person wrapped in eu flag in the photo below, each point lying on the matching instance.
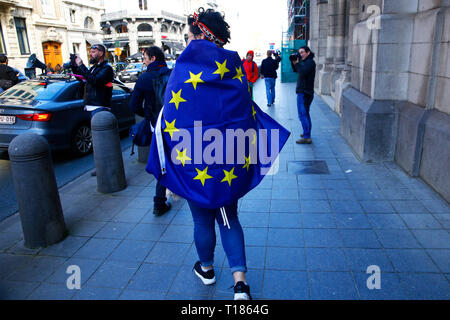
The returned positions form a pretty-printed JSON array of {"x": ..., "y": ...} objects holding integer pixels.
[{"x": 212, "y": 143}]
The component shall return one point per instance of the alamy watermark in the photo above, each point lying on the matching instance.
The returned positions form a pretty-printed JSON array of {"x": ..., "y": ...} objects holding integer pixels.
[
  {"x": 232, "y": 147},
  {"x": 374, "y": 281},
  {"x": 74, "y": 280},
  {"x": 374, "y": 20}
]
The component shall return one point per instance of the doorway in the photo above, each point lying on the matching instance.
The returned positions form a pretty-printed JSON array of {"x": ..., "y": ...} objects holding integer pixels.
[{"x": 52, "y": 54}]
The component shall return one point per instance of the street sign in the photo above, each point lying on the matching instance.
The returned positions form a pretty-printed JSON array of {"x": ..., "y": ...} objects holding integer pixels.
[
  {"x": 117, "y": 43},
  {"x": 117, "y": 51}
]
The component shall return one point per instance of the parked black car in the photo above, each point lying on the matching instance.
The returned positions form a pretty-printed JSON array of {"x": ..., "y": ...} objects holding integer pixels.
[{"x": 53, "y": 108}]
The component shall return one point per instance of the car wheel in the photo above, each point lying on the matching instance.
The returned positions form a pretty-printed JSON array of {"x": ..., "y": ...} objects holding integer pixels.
[{"x": 82, "y": 140}]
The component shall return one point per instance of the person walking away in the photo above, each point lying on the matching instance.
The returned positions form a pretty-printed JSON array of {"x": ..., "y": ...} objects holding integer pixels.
[
  {"x": 268, "y": 72},
  {"x": 145, "y": 103},
  {"x": 305, "y": 66},
  {"x": 8, "y": 77},
  {"x": 251, "y": 70},
  {"x": 208, "y": 89}
]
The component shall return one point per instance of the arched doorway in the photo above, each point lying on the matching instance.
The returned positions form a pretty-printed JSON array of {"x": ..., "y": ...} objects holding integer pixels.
[{"x": 52, "y": 53}]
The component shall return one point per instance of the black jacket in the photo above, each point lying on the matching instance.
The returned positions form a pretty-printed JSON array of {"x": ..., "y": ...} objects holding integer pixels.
[
  {"x": 143, "y": 98},
  {"x": 306, "y": 74},
  {"x": 98, "y": 83},
  {"x": 269, "y": 67},
  {"x": 8, "y": 77}
]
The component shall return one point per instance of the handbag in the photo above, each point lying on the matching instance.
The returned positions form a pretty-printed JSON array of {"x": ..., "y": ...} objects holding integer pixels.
[{"x": 141, "y": 134}]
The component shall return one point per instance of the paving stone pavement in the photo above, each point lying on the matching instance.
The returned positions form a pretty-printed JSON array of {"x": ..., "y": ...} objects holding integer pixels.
[{"x": 308, "y": 235}]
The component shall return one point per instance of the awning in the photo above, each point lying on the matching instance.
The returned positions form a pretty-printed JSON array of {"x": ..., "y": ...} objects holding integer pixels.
[
  {"x": 136, "y": 56},
  {"x": 175, "y": 46}
]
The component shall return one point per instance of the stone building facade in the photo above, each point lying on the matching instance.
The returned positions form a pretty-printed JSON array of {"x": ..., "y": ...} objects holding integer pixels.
[
  {"x": 141, "y": 26},
  {"x": 49, "y": 28},
  {"x": 383, "y": 67}
]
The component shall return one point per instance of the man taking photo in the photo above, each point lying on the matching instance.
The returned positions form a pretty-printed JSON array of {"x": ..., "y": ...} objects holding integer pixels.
[
  {"x": 98, "y": 80},
  {"x": 306, "y": 69}
]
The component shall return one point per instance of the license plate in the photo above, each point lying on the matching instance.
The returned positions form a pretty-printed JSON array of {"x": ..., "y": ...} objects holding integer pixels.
[{"x": 7, "y": 119}]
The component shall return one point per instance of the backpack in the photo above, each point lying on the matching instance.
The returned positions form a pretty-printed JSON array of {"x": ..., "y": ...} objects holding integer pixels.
[{"x": 140, "y": 132}]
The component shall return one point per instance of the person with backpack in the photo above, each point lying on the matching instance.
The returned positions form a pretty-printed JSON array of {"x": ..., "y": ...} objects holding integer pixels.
[
  {"x": 8, "y": 77},
  {"x": 251, "y": 69},
  {"x": 147, "y": 101}
]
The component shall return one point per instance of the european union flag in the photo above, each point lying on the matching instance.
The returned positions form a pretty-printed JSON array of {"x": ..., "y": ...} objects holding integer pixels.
[{"x": 213, "y": 144}]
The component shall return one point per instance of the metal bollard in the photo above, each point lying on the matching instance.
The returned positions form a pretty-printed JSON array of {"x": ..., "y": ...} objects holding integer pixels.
[
  {"x": 36, "y": 191},
  {"x": 107, "y": 153}
]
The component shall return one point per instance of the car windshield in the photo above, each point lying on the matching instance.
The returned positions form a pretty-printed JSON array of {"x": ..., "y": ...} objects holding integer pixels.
[
  {"x": 33, "y": 90},
  {"x": 134, "y": 66}
]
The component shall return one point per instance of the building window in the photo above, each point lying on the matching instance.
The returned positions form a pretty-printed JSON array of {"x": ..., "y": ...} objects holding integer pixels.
[
  {"x": 121, "y": 29},
  {"x": 48, "y": 7},
  {"x": 76, "y": 47},
  {"x": 164, "y": 28},
  {"x": 89, "y": 23},
  {"x": 72, "y": 15},
  {"x": 22, "y": 35},
  {"x": 2, "y": 41},
  {"x": 145, "y": 27},
  {"x": 143, "y": 4}
]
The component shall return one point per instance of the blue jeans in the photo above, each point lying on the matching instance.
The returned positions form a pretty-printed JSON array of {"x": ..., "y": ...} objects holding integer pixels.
[
  {"x": 205, "y": 236},
  {"x": 303, "y": 103},
  {"x": 270, "y": 90}
]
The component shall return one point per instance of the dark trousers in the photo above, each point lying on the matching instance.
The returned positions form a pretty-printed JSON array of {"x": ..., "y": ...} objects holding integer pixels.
[{"x": 160, "y": 196}]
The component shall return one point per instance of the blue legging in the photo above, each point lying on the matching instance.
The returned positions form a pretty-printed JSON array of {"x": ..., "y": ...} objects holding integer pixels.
[{"x": 205, "y": 236}]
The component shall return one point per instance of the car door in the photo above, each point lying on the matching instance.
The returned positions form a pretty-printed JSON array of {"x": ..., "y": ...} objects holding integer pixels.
[{"x": 119, "y": 107}]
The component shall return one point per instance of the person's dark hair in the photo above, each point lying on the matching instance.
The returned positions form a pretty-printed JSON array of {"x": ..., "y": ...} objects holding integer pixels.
[
  {"x": 156, "y": 52},
  {"x": 214, "y": 21},
  {"x": 306, "y": 48},
  {"x": 3, "y": 58}
]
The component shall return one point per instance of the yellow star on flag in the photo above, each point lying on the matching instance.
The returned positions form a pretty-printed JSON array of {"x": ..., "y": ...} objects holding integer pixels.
[
  {"x": 170, "y": 128},
  {"x": 202, "y": 175},
  {"x": 247, "y": 163},
  {"x": 194, "y": 79},
  {"x": 253, "y": 112},
  {"x": 229, "y": 176},
  {"x": 239, "y": 74},
  {"x": 182, "y": 156},
  {"x": 221, "y": 69},
  {"x": 176, "y": 98}
]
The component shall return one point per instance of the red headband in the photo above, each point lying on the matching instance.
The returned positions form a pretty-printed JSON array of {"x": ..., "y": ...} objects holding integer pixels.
[{"x": 205, "y": 30}]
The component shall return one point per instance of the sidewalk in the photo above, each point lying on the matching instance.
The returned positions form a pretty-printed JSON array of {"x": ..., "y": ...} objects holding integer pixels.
[{"x": 311, "y": 231}]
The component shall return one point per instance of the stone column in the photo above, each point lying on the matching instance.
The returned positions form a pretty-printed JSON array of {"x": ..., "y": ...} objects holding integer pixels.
[
  {"x": 338, "y": 43},
  {"x": 328, "y": 66},
  {"x": 344, "y": 79},
  {"x": 132, "y": 34}
]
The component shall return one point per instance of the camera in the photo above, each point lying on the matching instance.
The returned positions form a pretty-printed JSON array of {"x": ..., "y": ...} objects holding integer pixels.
[
  {"x": 73, "y": 57},
  {"x": 295, "y": 56}
]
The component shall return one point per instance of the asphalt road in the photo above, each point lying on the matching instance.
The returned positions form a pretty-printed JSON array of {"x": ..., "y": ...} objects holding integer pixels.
[{"x": 66, "y": 169}]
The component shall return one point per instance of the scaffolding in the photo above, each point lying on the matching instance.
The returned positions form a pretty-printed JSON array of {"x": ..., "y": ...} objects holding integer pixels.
[{"x": 296, "y": 36}]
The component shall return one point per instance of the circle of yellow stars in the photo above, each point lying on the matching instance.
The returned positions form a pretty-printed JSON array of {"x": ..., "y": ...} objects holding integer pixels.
[{"x": 177, "y": 99}]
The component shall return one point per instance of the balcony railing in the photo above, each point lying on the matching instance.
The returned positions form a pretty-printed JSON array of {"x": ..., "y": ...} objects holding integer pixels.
[
  {"x": 122, "y": 35},
  {"x": 145, "y": 34}
]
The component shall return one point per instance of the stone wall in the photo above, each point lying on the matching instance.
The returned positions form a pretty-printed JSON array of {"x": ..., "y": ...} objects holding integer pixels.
[{"x": 390, "y": 91}]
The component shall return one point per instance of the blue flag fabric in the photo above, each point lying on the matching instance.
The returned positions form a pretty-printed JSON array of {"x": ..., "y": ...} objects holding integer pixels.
[{"x": 207, "y": 110}]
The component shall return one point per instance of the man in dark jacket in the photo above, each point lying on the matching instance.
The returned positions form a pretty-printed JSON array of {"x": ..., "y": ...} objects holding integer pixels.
[
  {"x": 8, "y": 77},
  {"x": 269, "y": 68},
  {"x": 146, "y": 103},
  {"x": 98, "y": 80},
  {"x": 306, "y": 70}
]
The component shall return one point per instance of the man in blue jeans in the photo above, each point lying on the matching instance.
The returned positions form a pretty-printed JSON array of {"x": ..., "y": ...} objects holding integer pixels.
[
  {"x": 268, "y": 70},
  {"x": 306, "y": 69}
]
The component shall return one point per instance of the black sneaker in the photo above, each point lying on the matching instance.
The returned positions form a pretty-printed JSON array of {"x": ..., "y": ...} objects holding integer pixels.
[
  {"x": 160, "y": 210},
  {"x": 242, "y": 291},
  {"x": 207, "y": 277}
]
